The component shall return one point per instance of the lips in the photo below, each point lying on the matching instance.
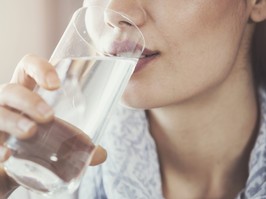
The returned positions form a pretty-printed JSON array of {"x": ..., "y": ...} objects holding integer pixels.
[
  {"x": 146, "y": 57},
  {"x": 124, "y": 49},
  {"x": 132, "y": 50},
  {"x": 148, "y": 53}
]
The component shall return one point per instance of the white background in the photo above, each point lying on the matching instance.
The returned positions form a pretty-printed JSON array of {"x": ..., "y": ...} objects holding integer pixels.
[{"x": 31, "y": 26}]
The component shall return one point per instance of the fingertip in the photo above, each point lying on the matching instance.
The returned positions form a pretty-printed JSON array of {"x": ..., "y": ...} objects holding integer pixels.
[{"x": 99, "y": 156}]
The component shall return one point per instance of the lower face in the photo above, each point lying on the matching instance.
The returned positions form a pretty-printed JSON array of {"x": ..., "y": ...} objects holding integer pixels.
[{"x": 198, "y": 43}]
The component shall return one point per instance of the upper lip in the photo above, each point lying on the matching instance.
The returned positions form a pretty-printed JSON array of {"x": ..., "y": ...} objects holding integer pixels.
[
  {"x": 130, "y": 49},
  {"x": 123, "y": 48}
]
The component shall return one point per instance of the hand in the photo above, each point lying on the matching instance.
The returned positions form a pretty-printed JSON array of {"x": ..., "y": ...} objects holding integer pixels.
[{"x": 17, "y": 97}]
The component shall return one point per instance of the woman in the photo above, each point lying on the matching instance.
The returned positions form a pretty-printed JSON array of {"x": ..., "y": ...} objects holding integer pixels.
[{"x": 203, "y": 91}]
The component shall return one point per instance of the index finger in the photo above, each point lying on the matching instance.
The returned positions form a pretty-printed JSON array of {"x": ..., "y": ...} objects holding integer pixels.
[{"x": 33, "y": 69}]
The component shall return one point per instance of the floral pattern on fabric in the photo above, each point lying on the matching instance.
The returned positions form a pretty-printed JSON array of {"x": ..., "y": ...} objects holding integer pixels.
[{"x": 132, "y": 168}]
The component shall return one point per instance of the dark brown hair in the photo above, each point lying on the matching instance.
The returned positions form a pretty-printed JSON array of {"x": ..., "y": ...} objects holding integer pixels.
[{"x": 259, "y": 53}]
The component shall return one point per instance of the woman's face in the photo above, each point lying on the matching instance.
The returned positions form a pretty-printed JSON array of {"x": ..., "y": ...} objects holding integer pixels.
[{"x": 196, "y": 46}]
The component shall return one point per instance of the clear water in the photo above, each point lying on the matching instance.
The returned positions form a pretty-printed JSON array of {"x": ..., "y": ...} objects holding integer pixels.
[
  {"x": 54, "y": 160},
  {"x": 37, "y": 178}
]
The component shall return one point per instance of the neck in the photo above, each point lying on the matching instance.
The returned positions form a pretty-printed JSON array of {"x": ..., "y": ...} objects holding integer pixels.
[{"x": 208, "y": 139}]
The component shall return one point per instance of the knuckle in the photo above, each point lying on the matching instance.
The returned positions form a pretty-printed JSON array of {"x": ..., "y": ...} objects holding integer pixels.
[
  {"x": 33, "y": 60},
  {"x": 5, "y": 89},
  {"x": 26, "y": 58},
  {"x": 31, "y": 100},
  {"x": 35, "y": 67},
  {"x": 8, "y": 86},
  {"x": 9, "y": 125},
  {"x": 29, "y": 62},
  {"x": 17, "y": 97},
  {"x": 35, "y": 100}
]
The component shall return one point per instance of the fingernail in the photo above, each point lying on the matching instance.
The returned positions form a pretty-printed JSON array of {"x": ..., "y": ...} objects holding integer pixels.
[
  {"x": 25, "y": 125},
  {"x": 52, "y": 80},
  {"x": 44, "y": 110}
]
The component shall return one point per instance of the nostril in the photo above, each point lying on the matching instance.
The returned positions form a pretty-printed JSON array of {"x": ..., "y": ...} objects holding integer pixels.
[
  {"x": 117, "y": 20},
  {"x": 122, "y": 23},
  {"x": 119, "y": 24}
]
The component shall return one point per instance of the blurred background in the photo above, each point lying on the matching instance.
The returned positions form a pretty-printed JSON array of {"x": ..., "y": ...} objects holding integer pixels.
[{"x": 31, "y": 26}]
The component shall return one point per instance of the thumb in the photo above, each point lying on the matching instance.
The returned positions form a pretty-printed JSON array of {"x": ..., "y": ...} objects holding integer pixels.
[{"x": 98, "y": 156}]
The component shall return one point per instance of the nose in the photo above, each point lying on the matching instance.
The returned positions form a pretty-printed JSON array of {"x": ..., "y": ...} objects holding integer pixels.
[{"x": 131, "y": 9}]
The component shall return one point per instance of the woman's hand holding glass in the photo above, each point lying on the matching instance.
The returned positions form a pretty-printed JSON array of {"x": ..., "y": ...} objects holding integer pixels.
[
  {"x": 50, "y": 110},
  {"x": 17, "y": 97}
]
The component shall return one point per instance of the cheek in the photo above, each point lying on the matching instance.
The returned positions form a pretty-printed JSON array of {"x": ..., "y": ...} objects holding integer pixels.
[
  {"x": 199, "y": 47},
  {"x": 204, "y": 47},
  {"x": 191, "y": 21}
]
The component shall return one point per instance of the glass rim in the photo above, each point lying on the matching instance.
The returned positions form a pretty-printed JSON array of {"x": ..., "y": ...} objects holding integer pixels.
[{"x": 126, "y": 17}]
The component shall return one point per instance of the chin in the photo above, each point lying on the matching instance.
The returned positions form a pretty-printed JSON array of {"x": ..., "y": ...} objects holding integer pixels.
[
  {"x": 132, "y": 104},
  {"x": 135, "y": 102}
]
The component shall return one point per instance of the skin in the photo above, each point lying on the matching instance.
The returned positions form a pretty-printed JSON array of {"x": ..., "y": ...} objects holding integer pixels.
[
  {"x": 198, "y": 93},
  {"x": 30, "y": 70},
  {"x": 187, "y": 37}
]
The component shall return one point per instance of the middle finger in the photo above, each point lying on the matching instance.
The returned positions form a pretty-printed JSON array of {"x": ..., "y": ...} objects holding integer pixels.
[{"x": 26, "y": 101}]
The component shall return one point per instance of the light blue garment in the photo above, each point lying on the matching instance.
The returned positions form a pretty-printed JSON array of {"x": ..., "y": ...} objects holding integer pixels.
[
  {"x": 256, "y": 183},
  {"x": 132, "y": 169}
]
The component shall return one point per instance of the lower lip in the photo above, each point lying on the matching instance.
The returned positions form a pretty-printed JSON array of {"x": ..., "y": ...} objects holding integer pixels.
[{"x": 143, "y": 62}]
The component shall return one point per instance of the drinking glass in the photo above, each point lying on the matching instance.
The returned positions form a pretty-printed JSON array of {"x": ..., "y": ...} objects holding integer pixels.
[{"x": 94, "y": 59}]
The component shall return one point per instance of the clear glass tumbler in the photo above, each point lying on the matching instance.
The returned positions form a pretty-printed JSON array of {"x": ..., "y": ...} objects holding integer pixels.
[{"x": 94, "y": 59}]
